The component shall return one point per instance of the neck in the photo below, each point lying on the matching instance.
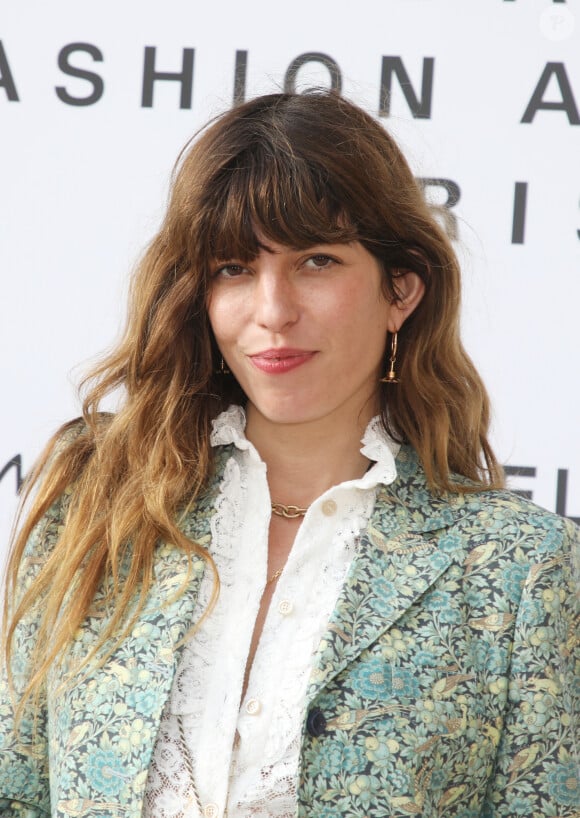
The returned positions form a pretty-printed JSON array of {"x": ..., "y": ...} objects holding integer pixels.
[{"x": 305, "y": 460}]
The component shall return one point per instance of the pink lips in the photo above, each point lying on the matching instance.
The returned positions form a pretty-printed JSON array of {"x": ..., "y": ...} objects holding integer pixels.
[{"x": 278, "y": 361}]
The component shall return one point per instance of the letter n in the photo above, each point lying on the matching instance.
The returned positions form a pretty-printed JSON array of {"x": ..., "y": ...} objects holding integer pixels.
[{"x": 420, "y": 108}]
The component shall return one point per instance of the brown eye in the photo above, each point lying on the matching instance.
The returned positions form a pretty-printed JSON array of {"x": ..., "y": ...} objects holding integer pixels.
[
  {"x": 320, "y": 261},
  {"x": 229, "y": 271}
]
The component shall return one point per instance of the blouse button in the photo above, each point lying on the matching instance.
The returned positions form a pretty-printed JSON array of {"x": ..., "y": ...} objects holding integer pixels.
[
  {"x": 285, "y": 607},
  {"x": 253, "y": 707},
  {"x": 211, "y": 811},
  {"x": 329, "y": 508}
]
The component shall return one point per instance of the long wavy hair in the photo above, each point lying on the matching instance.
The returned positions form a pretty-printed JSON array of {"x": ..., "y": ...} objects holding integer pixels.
[{"x": 299, "y": 170}]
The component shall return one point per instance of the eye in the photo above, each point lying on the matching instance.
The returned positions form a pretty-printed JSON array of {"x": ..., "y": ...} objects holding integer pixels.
[
  {"x": 320, "y": 261},
  {"x": 229, "y": 271}
]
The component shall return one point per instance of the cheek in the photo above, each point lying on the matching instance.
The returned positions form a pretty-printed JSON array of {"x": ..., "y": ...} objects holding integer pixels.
[
  {"x": 347, "y": 303},
  {"x": 221, "y": 317},
  {"x": 365, "y": 312}
]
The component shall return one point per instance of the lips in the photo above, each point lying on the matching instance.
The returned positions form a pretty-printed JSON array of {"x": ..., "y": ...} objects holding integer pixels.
[{"x": 279, "y": 361}]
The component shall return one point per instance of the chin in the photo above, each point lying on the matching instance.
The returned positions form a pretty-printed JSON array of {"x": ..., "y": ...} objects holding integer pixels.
[
  {"x": 287, "y": 417},
  {"x": 288, "y": 411}
]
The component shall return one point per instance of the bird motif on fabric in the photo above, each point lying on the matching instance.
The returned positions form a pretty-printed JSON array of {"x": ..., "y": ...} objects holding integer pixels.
[
  {"x": 445, "y": 687},
  {"x": 523, "y": 759},
  {"x": 493, "y": 622}
]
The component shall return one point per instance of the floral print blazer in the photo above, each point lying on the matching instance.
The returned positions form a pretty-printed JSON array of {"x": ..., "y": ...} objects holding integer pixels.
[{"x": 447, "y": 683}]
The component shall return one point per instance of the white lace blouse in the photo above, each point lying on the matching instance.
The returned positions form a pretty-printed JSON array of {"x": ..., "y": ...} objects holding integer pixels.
[{"x": 214, "y": 757}]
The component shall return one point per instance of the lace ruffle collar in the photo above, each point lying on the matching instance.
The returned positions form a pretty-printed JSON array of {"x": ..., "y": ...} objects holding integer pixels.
[{"x": 229, "y": 427}]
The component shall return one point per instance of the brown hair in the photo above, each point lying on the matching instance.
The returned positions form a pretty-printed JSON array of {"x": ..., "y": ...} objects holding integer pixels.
[{"x": 303, "y": 170}]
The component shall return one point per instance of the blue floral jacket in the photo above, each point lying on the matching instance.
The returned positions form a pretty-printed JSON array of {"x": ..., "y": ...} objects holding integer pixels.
[{"x": 447, "y": 684}]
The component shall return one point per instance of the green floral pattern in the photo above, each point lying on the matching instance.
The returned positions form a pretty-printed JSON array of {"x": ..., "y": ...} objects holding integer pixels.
[{"x": 449, "y": 676}]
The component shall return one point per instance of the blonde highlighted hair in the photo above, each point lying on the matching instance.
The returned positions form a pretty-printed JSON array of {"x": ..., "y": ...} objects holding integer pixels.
[{"x": 299, "y": 170}]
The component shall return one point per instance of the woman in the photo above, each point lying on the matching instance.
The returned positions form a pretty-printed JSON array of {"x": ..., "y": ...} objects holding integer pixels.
[{"x": 220, "y": 603}]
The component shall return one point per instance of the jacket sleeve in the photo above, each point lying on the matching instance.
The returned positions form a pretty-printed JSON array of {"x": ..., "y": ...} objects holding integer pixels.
[
  {"x": 538, "y": 762},
  {"x": 24, "y": 779}
]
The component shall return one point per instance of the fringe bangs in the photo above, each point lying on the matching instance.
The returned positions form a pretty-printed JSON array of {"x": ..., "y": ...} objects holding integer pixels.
[{"x": 264, "y": 195}]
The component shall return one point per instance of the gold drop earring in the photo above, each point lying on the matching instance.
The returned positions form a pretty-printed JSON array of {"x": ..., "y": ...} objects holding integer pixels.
[
  {"x": 223, "y": 369},
  {"x": 391, "y": 376}
]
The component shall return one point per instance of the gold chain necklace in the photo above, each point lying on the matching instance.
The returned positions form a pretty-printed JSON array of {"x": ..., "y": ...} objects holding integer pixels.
[
  {"x": 289, "y": 512},
  {"x": 275, "y": 576}
]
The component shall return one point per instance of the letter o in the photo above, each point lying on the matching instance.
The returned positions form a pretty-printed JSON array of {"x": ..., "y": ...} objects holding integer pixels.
[{"x": 312, "y": 56}]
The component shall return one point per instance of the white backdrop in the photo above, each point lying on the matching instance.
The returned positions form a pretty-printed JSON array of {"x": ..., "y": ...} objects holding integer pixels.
[{"x": 88, "y": 137}]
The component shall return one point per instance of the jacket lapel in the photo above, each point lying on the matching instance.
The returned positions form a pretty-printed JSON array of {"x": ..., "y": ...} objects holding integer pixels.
[{"x": 405, "y": 549}]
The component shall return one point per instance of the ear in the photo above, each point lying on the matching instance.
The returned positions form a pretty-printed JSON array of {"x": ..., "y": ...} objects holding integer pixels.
[{"x": 410, "y": 290}]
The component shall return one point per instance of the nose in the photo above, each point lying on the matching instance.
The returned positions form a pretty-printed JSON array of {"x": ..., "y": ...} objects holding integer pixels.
[{"x": 276, "y": 305}]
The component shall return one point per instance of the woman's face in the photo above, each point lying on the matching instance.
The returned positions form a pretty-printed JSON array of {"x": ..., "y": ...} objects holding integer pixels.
[{"x": 304, "y": 331}]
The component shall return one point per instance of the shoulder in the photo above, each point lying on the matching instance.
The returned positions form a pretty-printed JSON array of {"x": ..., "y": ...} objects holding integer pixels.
[
  {"x": 505, "y": 507},
  {"x": 535, "y": 534},
  {"x": 486, "y": 515},
  {"x": 76, "y": 430},
  {"x": 72, "y": 440}
]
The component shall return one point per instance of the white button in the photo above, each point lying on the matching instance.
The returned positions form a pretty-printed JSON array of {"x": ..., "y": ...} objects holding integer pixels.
[
  {"x": 329, "y": 508},
  {"x": 253, "y": 707},
  {"x": 211, "y": 811},
  {"x": 285, "y": 607}
]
